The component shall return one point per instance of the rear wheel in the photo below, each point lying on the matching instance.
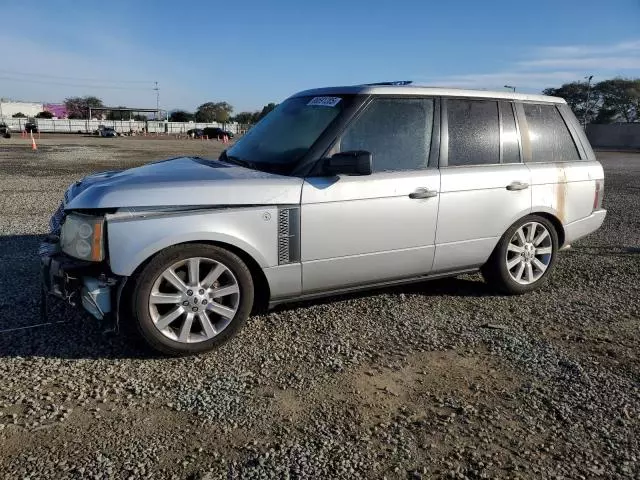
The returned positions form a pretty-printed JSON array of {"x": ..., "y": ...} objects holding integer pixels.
[
  {"x": 524, "y": 257},
  {"x": 192, "y": 298}
]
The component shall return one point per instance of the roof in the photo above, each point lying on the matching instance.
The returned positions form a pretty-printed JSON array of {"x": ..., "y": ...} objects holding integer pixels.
[{"x": 414, "y": 90}]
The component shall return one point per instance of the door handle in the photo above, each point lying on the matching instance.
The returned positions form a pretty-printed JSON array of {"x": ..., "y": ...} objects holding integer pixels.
[
  {"x": 517, "y": 186},
  {"x": 423, "y": 193}
]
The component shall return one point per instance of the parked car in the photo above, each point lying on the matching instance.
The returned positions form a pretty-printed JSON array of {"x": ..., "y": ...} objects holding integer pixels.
[
  {"x": 5, "y": 132},
  {"x": 217, "y": 133},
  {"x": 195, "y": 133},
  {"x": 341, "y": 189},
  {"x": 107, "y": 132},
  {"x": 31, "y": 126}
]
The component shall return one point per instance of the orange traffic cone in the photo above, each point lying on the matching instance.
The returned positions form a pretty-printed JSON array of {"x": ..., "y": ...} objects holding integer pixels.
[{"x": 33, "y": 143}]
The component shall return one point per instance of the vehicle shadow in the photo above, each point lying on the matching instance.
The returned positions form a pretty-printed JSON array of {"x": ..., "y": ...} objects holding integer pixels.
[
  {"x": 66, "y": 333},
  {"x": 470, "y": 285},
  {"x": 69, "y": 333},
  {"x": 608, "y": 250}
]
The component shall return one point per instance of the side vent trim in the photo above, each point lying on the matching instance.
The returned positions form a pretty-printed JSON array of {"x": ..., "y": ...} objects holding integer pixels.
[{"x": 288, "y": 235}]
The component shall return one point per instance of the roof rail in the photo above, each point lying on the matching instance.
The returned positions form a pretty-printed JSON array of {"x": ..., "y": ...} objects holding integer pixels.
[{"x": 399, "y": 82}]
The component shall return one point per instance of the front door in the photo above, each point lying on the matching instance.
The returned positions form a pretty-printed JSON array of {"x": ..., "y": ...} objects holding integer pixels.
[{"x": 358, "y": 230}]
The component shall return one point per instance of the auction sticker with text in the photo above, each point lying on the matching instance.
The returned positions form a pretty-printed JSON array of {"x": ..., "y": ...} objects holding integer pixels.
[{"x": 324, "y": 101}]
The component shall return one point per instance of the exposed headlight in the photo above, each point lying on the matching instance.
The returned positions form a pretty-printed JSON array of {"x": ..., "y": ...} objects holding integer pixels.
[{"x": 82, "y": 237}]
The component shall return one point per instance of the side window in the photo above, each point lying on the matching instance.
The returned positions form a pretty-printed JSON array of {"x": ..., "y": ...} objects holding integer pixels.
[
  {"x": 549, "y": 136},
  {"x": 509, "y": 134},
  {"x": 474, "y": 132},
  {"x": 396, "y": 131}
]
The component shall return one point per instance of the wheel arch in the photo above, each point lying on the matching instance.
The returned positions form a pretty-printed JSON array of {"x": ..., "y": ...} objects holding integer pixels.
[
  {"x": 557, "y": 224},
  {"x": 555, "y": 221},
  {"x": 262, "y": 291},
  {"x": 494, "y": 269}
]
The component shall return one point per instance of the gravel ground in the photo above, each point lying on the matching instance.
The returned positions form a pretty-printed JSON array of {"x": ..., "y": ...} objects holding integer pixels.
[{"x": 442, "y": 379}]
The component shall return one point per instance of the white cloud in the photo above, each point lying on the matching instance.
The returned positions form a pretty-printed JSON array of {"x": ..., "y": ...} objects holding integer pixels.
[
  {"x": 573, "y": 51},
  {"x": 601, "y": 63},
  {"x": 553, "y": 66}
]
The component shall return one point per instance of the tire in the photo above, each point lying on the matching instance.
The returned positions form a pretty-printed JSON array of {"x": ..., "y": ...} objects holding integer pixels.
[
  {"x": 516, "y": 266},
  {"x": 155, "y": 300}
]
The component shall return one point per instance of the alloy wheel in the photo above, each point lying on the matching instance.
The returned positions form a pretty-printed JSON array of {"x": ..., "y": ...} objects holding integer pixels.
[
  {"x": 529, "y": 253},
  {"x": 194, "y": 300}
]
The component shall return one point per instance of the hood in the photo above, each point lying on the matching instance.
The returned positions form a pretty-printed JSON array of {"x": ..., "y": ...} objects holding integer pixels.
[{"x": 182, "y": 181}]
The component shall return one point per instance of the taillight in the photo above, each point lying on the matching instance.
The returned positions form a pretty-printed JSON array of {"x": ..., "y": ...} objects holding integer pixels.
[{"x": 597, "y": 197}]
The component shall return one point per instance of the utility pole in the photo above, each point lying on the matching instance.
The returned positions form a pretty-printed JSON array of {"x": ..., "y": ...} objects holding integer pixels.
[
  {"x": 157, "y": 100},
  {"x": 586, "y": 108},
  {"x": 511, "y": 87}
]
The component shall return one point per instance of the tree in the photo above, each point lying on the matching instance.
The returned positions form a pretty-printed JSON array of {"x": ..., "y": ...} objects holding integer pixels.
[
  {"x": 44, "y": 114},
  {"x": 205, "y": 112},
  {"x": 620, "y": 99},
  {"x": 214, "y": 112},
  {"x": 78, "y": 107},
  {"x": 265, "y": 110},
  {"x": 576, "y": 94},
  {"x": 223, "y": 112},
  {"x": 181, "y": 116},
  {"x": 19, "y": 115},
  {"x": 244, "y": 118},
  {"x": 612, "y": 100}
]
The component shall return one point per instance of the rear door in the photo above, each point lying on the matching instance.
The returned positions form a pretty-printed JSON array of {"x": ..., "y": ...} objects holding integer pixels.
[
  {"x": 369, "y": 229},
  {"x": 561, "y": 182},
  {"x": 484, "y": 184}
]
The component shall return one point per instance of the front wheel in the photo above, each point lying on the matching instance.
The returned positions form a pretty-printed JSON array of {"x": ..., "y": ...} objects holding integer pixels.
[
  {"x": 192, "y": 298},
  {"x": 524, "y": 257}
]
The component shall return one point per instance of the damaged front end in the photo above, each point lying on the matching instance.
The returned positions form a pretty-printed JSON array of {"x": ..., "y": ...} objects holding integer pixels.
[{"x": 87, "y": 282}]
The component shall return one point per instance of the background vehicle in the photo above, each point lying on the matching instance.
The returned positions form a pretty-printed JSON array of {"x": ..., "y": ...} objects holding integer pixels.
[
  {"x": 31, "y": 126},
  {"x": 4, "y": 130},
  {"x": 195, "y": 132},
  {"x": 107, "y": 132},
  {"x": 217, "y": 133},
  {"x": 335, "y": 190}
]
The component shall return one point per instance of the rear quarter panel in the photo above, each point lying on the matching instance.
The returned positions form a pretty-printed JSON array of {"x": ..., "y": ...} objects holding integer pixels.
[{"x": 565, "y": 190}]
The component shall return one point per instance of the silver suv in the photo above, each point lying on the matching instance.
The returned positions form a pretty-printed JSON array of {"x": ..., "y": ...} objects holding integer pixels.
[{"x": 337, "y": 189}]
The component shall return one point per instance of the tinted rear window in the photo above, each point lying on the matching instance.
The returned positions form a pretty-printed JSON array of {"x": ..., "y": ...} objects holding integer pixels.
[{"x": 549, "y": 135}]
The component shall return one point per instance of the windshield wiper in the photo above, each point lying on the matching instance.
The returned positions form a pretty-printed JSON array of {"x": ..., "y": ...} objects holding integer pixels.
[{"x": 237, "y": 161}]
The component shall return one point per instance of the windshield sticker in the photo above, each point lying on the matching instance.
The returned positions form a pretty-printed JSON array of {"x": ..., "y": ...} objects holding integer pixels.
[{"x": 324, "y": 101}]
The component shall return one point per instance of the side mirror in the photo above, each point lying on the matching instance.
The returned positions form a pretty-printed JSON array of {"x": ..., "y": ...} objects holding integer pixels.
[{"x": 355, "y": 162}]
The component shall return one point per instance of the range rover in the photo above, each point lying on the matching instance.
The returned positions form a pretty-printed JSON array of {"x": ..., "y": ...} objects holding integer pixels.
[{"x": 337, "y": 189}]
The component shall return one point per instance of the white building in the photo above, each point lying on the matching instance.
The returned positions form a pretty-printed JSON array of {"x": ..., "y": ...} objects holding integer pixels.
[{"x": 8, "y": 108}]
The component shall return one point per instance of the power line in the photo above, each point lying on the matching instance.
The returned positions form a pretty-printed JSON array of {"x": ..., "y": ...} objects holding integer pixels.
[
  {"x": 77, "y": 85},
  {"x": 61, "y": 77}
]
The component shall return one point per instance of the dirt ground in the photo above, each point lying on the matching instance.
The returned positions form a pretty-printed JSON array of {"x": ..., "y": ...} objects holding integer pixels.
[{"x": 443, "y": 379}]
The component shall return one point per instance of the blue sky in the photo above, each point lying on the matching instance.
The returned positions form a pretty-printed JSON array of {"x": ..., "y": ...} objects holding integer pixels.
[{"x": 250, "y": 52}]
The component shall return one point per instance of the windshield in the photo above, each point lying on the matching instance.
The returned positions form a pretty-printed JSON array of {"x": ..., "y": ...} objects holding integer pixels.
[{"x": 285, "y": 135}]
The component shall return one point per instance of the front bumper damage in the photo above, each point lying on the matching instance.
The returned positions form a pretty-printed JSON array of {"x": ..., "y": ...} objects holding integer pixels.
[{"x": 78, "y": 283}]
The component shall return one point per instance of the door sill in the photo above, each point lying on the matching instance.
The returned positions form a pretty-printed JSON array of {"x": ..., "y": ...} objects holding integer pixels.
[{"x": 369, "y": 286}]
